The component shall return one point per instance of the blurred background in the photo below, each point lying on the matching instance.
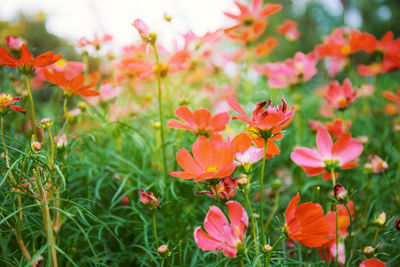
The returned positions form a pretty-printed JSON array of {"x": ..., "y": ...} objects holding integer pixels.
[{"x": 58, "y": 25}]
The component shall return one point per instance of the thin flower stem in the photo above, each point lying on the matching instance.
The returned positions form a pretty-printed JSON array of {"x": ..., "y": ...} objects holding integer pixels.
[
  {"x": 241, "y": 262},
  {"x": 33, "y": 118},
  {"x": 375, "y": 237},
  {"x": 155, "y": 228},
  {"x": 272, "y": 249},
  {"x": 350, "y": 242},
  {"x": 336, "y": 218},
  {"x": 160, "y": 112},
  {"x": 325, "y": 256},
  {"x": 65, "y": 117},
  {"x": 274, "y": 209},
  {"x": 261, "y": 193},
  {"x": 52, "y": 146},
  {"x": 46, "y": 218},
  {"x": 5, "y": 147}
]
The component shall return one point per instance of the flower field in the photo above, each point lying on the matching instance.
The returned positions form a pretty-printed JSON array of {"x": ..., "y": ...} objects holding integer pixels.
[{"x": 232, "y": 148}]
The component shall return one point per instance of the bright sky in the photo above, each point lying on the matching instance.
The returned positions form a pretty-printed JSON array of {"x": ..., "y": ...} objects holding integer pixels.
[{"x": 76, "y": 18}]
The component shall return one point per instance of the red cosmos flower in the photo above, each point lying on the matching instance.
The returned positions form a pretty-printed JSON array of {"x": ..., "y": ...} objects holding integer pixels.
[
  {"x": 251, "y": 21},
  {"x": 200, "y": 121},
  {"x": 306, "y": 223},
  {"x": 370, "y": 70},
  {"x": 225, "y": 189},
  {"x": 263, "y": 119},
  {"x": 26, "y": 62},
  {"x": 289, "y": 29},
  {"x": 7, "y": 101},
  {"x": 341, "y": 97},
  {"x": 96, "y": 42},
  {"x": 148, "y": 199},
  {"x": 73, "y": 86},
  {"x": 330, "y": 156},
  {"x": 212, "y": 159},
  {"x": 372, "y": 263},
  {"x": 222, "y": 235}
]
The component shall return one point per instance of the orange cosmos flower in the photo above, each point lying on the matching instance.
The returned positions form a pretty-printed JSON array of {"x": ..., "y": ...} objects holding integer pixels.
[
  {"x": 26, "y": 62},
  {"x": 392, "y": 108},
  {"x": 73, "y": 86},
  {"x": 306, "y": 223},
  {"x": 289, "y": 29},
  {"x": 200, "y": 121},
  {"x": 212, "y": 159},
  {"x": 7, "y": 101}
]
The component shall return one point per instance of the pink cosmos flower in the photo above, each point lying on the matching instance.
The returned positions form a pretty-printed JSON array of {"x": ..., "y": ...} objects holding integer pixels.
[
  {"x": 144, "y": 31},
  {"x": 376, "y": 164},
  {"x": 107, "y": 91},
  {"x": 14, "y": 43},
  {"x": 336, "y": 65},
  {"x": 372, "y": 263},
  {"x": 341, "y": 97},
  {"x": 60, "y": 141},
  {"x": 330, "y": 155},
  {"x": 251, "y": 21},
  {"x": 290, "y": 72},
  {"x": 96, "y": 42},
  {"x": 289, "y": 29},
  {"x": 249, "y": 157},
  {"x": 222, "y": 234},
  {"x": 200, "y": 121}
]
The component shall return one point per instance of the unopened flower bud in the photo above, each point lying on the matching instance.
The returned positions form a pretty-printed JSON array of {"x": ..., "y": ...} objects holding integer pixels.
[
  {"x": 167, "y": 17},
  {"x": 148, "y": 199},
  {"x": 277, "y": 184},
  {"x": 46, "y": 123},
  {"x": 36, "y": 146},
  {"x": 152, "y": 37},
  {"x": 381, "y": 219},
  {"x": 368, "y": 167},
  {"x": 368, "y": 251},
  {"x": 162, "y": 249},
  {"x": 125, "y": 201},
  {"x": 267, "y": 247},
  {"x": 242, "y": 181},
  {"x": 397, "y": 224},
  {"x": 340, "y": 193},
  {"x": 82, "y": 106},
  {"x": 156, "y": 125}
]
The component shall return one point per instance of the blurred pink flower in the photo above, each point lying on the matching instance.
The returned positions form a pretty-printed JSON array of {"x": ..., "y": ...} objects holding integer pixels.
[
  {"x": 107, "y": 91},
  {"x": 330, "y": 155},
  {"x": 340, "y": 97},
  {"x": 96, "y": 42},
  {"x": 223, "y": 235},
  {"x": 14, "y": 43},
  {"x": 289, "y": 29}
]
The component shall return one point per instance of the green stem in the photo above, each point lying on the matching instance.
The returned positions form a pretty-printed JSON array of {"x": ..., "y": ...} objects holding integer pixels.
[
  {"x": 325, "y": 256},
  {"x": 33, "y": 118},
  {"x": 160, "y": 111},
  {"x": 375, "y": 237},
  {"x": 65, "y": 117},
  {"x": 349, "y": 246},
  {"x": 253, "y": 222},
  {"x": 261, "y": 192},
  {"x": 52, "y": 146},
  {"x": 155, "y": 228},
  {"x": 272, "y": 249},
  {"x": 274, "y": 209},
  {"x": 241, "y": 262}
]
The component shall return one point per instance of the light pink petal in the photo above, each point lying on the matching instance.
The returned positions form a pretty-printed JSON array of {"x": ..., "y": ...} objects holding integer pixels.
[
  {"x": 324, "y": 142},
  {"x": 307, "y": 157}
]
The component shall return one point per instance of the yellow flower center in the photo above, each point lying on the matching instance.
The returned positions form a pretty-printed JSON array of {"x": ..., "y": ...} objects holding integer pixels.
[
  {"x": 5, "y": 98},
  {"x": 345, "y": 50},
  {"x": 212, "y": 169}
]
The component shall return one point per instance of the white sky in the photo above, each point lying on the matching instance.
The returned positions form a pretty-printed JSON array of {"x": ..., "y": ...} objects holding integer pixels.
[{"x": 76, "y": 18}]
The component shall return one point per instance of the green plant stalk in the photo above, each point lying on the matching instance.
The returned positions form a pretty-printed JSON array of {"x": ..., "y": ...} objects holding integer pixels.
[
  {"x": 52, "y": 146},
  {"x": 155, "y": 228},
  {"x": 241, "y": 262},
  {"x": 46, "y": 218},
  {"x": 336, "y": 219},
  {"x": 349, "y": 246},
  {"x": 33, "y": 118},
  {"x": 261, "y": 193},
  {"x": 274, "y": 209},
  {"x": 160, "y": 112},
  {"x": 253, "y": 222},
  {"x": 325, "y": 256},
  {"x": 272, "y": 249},
  {"x": 376, "y": 236},
  {"x": 65, "y": 117}
]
